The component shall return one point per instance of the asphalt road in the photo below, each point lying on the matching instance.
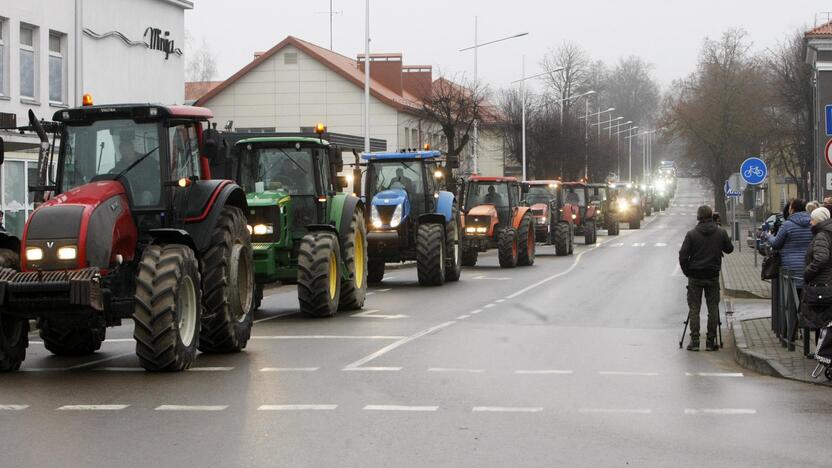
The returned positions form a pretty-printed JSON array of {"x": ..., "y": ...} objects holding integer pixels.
[{"x": 571, "y": 362}]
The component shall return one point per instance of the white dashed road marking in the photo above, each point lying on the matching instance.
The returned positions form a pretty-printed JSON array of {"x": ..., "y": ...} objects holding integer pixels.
[
  {"x": 488, "y": 306},
  {"x": 326, "y": 337},
  {"x": 373, "y": 369},
  {"x": 475, "y": 312},
  {"x": 210, "y": 369},
  {"x": 714, "y": 374},
  {"x": 720, "y": 411},
  {"x": 392, "y": 346},
  {"x": 399, "y": 408},
  {"x": 118, "y": 369},
  {"x": 191, "y": 407},
  {"x": 463, "y": 317},
  {"x": 289, "y": 369},
  {"x": 372, "y": 314},
  {"x": 92, "y": 407},
  {"x": 661, "y": 244},
  {"x": 642, "y": 374},
  {"x": 13, "y": 407},
  {"x": 544, "y": 372},
  {"x": 506, "y": 409},
  {"x": 616, "y": 410},
  {"x": 297, "y": 407}
]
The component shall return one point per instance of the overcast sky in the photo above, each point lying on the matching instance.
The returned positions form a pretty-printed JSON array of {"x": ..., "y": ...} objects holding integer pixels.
[{"x": 667, "y": 33}]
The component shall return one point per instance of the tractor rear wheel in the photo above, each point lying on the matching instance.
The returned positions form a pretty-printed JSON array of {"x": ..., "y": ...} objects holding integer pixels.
[
  {"x": 589, "y": 233},
  {"x": 354, "y": 253},
  {"x": 453, "y": 249},
  {"x": 70, "y": 341},
  {"x": 635, "y": 223},
  {"x": 469, "y": 257},
  {"x": 14, "y": 332},
  {"x": 375, "y": 271},
  {"x": 228, "y": 286},
  {"x": 507, "y": 249},
  {"x": 525, "y": 242},
  {"x": 168, "y": 305},
  {"x": 562, "y": 240},
  {"x": 319, "y": 274},
  {"x": 430, "y": 254}
]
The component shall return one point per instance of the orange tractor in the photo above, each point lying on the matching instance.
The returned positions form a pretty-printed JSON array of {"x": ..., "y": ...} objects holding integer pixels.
[
  {"x": 495, "y": 217},
  {"x": 554, "y": 224}
]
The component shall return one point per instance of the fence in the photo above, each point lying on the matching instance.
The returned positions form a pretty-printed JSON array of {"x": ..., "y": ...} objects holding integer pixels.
[{"x": 785, "y": 302}]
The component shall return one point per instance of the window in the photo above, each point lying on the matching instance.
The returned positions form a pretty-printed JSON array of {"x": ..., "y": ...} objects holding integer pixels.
[
  {"x": 56, "y": 68},
  {"x": 290, "y": 58},
  {"x": 184, "y": 153},
  {"x": 28, "y": 62}
]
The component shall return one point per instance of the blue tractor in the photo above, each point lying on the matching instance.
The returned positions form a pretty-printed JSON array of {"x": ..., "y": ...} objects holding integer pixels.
[{"x": 410, "y": 217}]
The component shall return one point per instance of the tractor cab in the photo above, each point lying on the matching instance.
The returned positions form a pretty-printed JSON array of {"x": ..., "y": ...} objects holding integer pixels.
[
  {"x": 578, "y": 194},
  {"x": 504, "y": 194},
  {"x": 553, "y": 222},
  {"x": 602, "y": 195}
]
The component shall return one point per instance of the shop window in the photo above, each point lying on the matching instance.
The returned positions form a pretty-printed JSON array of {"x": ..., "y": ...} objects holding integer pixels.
[
  {"x": 28, "y": 62},
  {"x": 57, "y": 72}
]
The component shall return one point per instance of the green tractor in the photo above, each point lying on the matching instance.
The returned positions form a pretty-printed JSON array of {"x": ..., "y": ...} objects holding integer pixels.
[{"x": 302, "y": 230}]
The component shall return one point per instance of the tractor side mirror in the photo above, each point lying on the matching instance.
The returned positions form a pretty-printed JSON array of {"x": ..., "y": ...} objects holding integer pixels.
[
  {"x": 336, "y": 159},
  {"x": 2, "y": 151}
]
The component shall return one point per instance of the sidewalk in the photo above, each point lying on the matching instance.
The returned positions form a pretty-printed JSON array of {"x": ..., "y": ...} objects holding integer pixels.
[
  {"x": 757, "y": 348},
  {"x": 740, "y": 278}
]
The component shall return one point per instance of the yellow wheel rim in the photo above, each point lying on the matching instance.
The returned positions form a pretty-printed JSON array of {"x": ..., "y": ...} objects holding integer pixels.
[
  {"x": 359, "y": 259},
  {"x": 333, "y": 275}
]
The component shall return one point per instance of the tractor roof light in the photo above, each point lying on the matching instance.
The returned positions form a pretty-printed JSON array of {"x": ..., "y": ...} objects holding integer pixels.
[
  {"x": 320, "y": 128},
  {"x": 86, "y": 100},
  {"x": 426, "y": 147}
]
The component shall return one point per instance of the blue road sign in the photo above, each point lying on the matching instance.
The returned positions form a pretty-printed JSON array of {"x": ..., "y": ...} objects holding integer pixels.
[
  {"x": 729, "y": 192},
  {"x": 753, "y": 171},
  {"x": 828, "y": 120}
]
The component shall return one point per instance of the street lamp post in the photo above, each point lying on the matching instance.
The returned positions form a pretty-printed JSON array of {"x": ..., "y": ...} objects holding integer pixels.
[
  {"x": 367, "y": 77},
  {"x": 475, "y": 48},
  {"x": 522, "y": 82},
  {"x": 599, "y": 120}
]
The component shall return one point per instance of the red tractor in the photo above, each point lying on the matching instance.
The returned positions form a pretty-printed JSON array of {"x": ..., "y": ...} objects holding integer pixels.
[
  {"x": 577, "y": 195},
  {"x": 134, "y": 227},
  {"x": 495, "y": 218},
  {"x": 552, "y": 215}
]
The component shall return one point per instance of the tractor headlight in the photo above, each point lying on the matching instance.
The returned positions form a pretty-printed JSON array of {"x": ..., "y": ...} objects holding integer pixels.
[
  {"x": 396, "y": 219},
  {"x": 623, "y": 204},
  {"x": 262, "y": 229},
  {"x": 635, "y": 200},
  {"x": 67, "y": 253},
  {"x": 574, "y": 216},
  {"x": 34, "y": 254},
  {"x": 375, "y": 218},
  {"x": 541, "y": 220}
]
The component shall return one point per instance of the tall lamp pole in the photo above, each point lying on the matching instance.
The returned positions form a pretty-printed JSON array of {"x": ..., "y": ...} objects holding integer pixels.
[
  {"x": 367, "y": 77},
  {"x": 522, "y": 82},
  {"x": 476, "y": 48}
]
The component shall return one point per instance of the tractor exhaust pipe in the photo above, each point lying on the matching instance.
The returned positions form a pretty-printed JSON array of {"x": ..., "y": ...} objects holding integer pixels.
[{"x": 43, "y": 156}]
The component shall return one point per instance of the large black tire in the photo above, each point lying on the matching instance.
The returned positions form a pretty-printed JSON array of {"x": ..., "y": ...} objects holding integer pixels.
[
  {"x": 14, "y": 332},
  {"x": 167, "y": 308},
  {"x": 354, "y": 254},
  {"x": 648, "y": 211},
  {"x": 319, "y": 274},
  {"x": 635, "y": 223},
  {"x": 228, "y": 286},
  {"x": 258, "y": 296},
  {"x": 562, "y": 239},
  {"x": 375, "y": 271},
  {"x": 589, "y": 232},
  {"x": 430, "y": 254},
  {"x": 614, "y": 228},
  {"x": 469, "y": 257},
  {"x": 507, "y": 249},
  {"x": 453, "y": 246},
  {"x": 525, "y": 242},
  {"x": 70, "y": 341}
]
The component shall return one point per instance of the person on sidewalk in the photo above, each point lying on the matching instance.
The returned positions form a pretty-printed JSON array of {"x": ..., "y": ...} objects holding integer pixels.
[
  {"x": 818, "y": 270},
  {"x": 793, "y": 239},
  {"x": 701, "y": 261},
  {"x": 812, "y": 206}
]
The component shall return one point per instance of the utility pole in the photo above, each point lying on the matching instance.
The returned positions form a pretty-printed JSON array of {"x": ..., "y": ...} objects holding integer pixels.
[
  {"x": 367, "y": 77},
  {"x": 523, "y": 106},
  {"x": 331, "y": 14},
  {"x": 475, "y": 169}
]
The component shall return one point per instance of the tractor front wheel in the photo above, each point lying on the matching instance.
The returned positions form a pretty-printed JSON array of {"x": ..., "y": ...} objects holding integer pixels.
[
  {"x": 635, "y": 223},
  {"x": 319, "y": 274},
  {"x": 507, "y": 249},
  {"x": 354, "y": 253},
  {"x": 258, "y": 296},
  {"x": 71, "y": 341},
  {"x": 562, "y": 239},
  {"x": 375, "y": 271},
  {"x": 453, "y": 249},
  {"x": 430, "y": 254},
  {"x": 589, "y": 233},
  {"x": 525, "y": 242},
  {"x": 228, "y": 286},
  {"x": 168, "y": 305},
  {"x": 613, "y": 228},
  {"x": 469, "y": 257},
  {"x": 14, "y": 332}
]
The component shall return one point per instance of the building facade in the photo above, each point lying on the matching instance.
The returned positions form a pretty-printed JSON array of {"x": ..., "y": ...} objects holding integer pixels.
[{"x": 54, "y": 51}]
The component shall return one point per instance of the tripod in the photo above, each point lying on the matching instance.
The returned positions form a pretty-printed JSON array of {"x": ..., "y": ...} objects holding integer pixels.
[{"x": 718, "y": 331}]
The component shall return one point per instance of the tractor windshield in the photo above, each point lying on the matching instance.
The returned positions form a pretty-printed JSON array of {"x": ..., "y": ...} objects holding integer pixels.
[
  {"x": 113, "y": 147},
  {"x": 405, "y": 175},
  {"x": 278, "y": 169},
  {"x": 574, "y": 196},
  {"x": 540, "y": 194},
  {"x": 493, "y": 193}
]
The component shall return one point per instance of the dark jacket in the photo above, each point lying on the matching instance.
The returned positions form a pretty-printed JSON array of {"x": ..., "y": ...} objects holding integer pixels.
[
  {"x": 701, "y": 253},
  {"x": 792, "y": 240},
  {"x": 818, "y": 269}
]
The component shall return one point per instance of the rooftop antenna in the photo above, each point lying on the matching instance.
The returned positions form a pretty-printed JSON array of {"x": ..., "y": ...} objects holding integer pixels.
[
  {"x": 331, "y": 14},
  {"x": 828, "y": 15}
]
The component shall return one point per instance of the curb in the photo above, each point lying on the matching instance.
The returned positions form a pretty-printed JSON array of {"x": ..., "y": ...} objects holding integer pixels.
[{"x": 755, "y": 361}]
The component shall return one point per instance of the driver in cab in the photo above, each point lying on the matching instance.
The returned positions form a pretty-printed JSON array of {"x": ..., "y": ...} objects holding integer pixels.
[
  {"x": 493, "y": 197},
  {"x": 401, "y": 181},
  {"x": 294, "y": 178},
  {"x": 141, "y": 174}
]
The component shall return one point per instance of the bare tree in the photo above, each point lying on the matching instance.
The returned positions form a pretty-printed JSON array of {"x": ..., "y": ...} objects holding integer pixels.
[
  {"x": 454, "y": 104},
  {"x": 632, "y": 90},
  {"x": 201, "y": 63},
  {"x": 573, "y": 77}
]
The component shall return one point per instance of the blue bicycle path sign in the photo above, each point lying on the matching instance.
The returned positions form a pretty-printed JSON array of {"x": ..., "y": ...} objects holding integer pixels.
[{"x": 753, "y": 171}]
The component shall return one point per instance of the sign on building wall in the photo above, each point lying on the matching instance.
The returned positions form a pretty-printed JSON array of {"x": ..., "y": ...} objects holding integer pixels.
[{"x": 154, "y": 39}]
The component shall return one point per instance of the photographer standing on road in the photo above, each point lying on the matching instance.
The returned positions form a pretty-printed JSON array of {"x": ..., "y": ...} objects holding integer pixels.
[{"x": 701, "y": 261}]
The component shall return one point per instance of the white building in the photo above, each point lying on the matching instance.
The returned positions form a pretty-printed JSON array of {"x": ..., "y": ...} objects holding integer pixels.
[{"x": 54, "y": 51}]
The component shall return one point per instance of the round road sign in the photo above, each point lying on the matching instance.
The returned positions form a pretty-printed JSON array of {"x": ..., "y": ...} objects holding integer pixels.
[
  {"x": 753, "y": 171},
  {"x": 828, "y": 153}
]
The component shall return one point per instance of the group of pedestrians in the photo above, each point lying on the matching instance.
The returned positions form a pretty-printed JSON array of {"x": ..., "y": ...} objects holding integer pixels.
[{"x": 804, "y": 243}]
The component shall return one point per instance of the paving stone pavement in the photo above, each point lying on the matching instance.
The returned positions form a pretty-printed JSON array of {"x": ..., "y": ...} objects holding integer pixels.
[{"x": 740, "y": 278}]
